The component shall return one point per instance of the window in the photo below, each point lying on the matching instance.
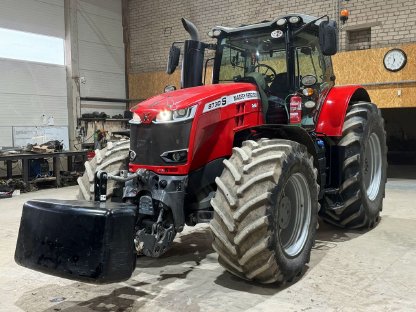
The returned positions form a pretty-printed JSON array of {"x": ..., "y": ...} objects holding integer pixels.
[
  {"x": 359, "y": 39},
  {"x": 232, "y": 64},
  {"x": 309, "y": 62},
  {"x": 309, "y": 59},
  {"x": 241, "y": 55},
  {"x": 26, "y": 46}
]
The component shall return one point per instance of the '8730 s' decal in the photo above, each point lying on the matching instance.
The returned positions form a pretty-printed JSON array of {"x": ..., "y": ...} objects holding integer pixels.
[{"x": 231, "y": 99}]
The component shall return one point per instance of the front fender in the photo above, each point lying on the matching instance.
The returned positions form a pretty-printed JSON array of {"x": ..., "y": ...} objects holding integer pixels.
[{"x": 333, "y": 110}]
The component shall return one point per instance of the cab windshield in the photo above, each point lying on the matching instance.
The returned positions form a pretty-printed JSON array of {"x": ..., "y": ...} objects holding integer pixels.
[
  {"x": 241, "y": 55},
  {"x": 265, "y": 53}
]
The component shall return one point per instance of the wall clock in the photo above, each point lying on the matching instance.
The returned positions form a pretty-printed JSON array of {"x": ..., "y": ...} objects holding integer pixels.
[{"x": 395, "y": 60}]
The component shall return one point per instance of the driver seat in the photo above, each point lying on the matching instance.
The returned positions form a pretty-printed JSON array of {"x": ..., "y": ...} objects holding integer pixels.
[
  {"x": 279, "y": 86},
  {"x": 261, "y": 86}
]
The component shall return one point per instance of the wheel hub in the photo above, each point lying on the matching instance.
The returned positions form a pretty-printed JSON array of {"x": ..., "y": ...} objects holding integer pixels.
[
  {"x": 294, "y": 214},
  {"x": 284, "y": 212}
]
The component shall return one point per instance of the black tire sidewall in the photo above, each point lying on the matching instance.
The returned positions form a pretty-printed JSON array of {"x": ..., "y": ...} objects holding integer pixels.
[
  {"x": 373, "y": 125},
  {"x": 291, "y": 266}
]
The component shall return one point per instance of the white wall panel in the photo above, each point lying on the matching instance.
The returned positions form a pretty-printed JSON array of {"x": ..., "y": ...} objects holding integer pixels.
[
  {"x": 101, "y": 84},
  {"x": 100, "y": 29},
  {"x": 28, "y": 89},
  {"x": 6, "y": 138},
  {"x": 101, "y": 54},
  {"x": 105, "y": 8},
  {"x": 41, "y": 17},
  {"x": 99, "y": 57},
  {"x": 22, "y": 77},
  {"x": 27, "y": 109}
]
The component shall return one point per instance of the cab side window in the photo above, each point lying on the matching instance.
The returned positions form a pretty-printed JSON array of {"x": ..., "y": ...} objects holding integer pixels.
[
  {"x": 309, "y": 61},
  {"x": 232, "y": 64}
]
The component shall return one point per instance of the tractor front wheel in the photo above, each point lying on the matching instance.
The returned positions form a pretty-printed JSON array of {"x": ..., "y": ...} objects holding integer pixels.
[{"x": 265, "y": 211}]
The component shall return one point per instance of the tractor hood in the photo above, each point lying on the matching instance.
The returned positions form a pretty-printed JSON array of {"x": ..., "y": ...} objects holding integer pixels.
[{"x": 184, "y": 98}]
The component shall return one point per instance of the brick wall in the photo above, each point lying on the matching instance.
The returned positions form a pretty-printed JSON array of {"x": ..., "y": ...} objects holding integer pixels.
[{"x": 154, "y": 25}]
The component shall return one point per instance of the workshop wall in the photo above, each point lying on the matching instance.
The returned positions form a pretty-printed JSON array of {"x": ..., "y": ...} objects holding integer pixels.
[
  {"x": 372, "y": 29},
  {"x": 101, "y": 54},
  {"x": 31, "y": 92},
  {"x": 154, "y": 25},
  {"x": 369, "y": 70}
]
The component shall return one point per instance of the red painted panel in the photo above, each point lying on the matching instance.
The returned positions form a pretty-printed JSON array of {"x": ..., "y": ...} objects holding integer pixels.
[
  {"x": 334, "y": 108},
  {"x": 212, "y": 132}
]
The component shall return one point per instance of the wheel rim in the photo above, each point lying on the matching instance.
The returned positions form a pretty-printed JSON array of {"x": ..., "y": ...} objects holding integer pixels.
[
  {"x": 372, "y": 167},
  {"x": 294, "y": 215}
]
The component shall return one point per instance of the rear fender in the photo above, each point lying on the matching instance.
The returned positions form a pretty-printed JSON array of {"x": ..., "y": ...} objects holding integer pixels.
[{"x": 333, "y": 110}]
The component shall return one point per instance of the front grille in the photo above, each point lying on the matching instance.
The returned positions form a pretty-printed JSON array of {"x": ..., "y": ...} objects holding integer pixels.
[{"x": 149, "y": 141}]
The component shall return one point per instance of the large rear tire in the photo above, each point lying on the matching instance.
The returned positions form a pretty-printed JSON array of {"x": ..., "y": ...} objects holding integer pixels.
[
  {"x": 111, "y": 159},
  {"x": 265, "y": 211},
  {"x": 363, "y": 171}
]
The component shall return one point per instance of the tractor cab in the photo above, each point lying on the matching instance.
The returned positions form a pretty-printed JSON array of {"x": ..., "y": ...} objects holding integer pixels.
[{"x": 284, "y": 57}]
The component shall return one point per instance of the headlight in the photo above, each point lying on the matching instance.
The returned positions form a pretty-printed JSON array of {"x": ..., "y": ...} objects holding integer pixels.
[
  {"x": 183, "y": 114},
  {"x": 175, "y": 156},
  {"x": 136, "y": 119},
  {"x": 164, "y": 116}
]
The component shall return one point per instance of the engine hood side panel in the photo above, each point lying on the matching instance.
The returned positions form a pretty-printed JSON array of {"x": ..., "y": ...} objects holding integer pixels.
[{"x": 184, "y": 98}]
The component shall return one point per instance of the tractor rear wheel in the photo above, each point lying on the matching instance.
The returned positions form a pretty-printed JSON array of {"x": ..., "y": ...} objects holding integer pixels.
[
  {"x": 265, "y": 211},
  {"x": 363, "y": 170},
  {"x": 111, "y": 159}
]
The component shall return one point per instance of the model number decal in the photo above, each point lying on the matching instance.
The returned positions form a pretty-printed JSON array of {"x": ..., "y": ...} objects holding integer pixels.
[{"x": 231, "y": 99}]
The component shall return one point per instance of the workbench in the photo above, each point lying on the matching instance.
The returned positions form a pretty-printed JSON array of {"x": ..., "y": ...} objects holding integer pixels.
[{"x": 25, "y": 157}]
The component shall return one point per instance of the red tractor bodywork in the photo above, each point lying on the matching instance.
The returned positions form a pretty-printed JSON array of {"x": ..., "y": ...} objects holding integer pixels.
[
  {"x": 222, "y": 111},
  {"x": 332, "y": 113},
  {"x": 213, "y": 130}
]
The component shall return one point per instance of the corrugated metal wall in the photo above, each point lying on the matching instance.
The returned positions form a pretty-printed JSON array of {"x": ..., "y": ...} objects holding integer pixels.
[
  {"x": 29, "y": 90},
  {"x": 101, "y": 54}
]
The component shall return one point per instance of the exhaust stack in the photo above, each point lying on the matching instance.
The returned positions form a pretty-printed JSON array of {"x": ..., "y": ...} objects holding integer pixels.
[
  {"x": 193, "y": 57},
  {"x": 190, "y": 29}
]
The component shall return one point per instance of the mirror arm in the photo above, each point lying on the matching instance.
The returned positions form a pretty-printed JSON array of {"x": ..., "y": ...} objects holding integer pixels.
[{"x": 310, "y": 23}]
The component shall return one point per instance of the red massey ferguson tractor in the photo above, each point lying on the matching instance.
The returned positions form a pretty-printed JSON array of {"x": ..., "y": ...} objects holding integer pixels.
[{"x": 260, "y": 153}]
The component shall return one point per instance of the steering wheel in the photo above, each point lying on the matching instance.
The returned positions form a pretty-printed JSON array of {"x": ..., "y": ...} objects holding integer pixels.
[{"x": 266, "y": 68}]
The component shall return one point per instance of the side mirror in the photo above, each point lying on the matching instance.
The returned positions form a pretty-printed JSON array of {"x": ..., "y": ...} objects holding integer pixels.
[
  {"x": 328, "y": 37},
  {"x": 173, "y": 59}
]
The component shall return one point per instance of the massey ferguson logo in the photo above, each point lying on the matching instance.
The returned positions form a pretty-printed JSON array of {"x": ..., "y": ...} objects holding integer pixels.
[
  {"x": 231, "y": 99},
  {"x": 146, "y": 118}
]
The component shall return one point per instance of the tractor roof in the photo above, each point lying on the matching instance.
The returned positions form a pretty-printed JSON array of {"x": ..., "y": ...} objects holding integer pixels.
[{"x": 266, "y": 24}]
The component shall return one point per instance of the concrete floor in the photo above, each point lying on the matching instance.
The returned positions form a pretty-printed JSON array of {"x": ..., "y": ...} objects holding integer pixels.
[{"x": 349, "y": 271}]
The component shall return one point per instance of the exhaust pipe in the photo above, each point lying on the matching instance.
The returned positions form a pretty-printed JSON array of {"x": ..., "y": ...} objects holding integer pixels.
[
  {"x": 190, "y": 29},
  {"x": 193, "y": 57}
]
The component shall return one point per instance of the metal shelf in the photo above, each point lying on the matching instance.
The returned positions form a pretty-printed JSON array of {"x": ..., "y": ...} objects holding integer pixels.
[{"x": 103, "y": 119}]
